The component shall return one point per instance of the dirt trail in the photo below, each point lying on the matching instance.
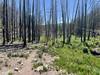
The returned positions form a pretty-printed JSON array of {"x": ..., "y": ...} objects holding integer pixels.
[{"x": 27, "y": 69}]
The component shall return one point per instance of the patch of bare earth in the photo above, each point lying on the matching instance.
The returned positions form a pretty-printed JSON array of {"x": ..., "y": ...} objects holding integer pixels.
[{"x": 22, "y": 66}]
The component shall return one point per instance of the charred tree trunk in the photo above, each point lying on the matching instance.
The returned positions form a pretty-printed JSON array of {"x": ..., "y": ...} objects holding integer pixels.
[
  {"x": 12, "y": 20},
  {"x": 82, "y": 21},
  {"x": 24, "y": 22},
  {"x": 56, "y": 28},
  {"x": 45, "y": 21},
  {"x": 64, "y": 20},
  {"x": 20, "y": 19},
  {"x": 6, "y": 21},
  {"x": 38, "y": 21},
  {"x": 33, "y": 23},
  {"x": 28, "y": 21},
  {"x": 85, "y": 21},
  {"x": 3, "y": 22}
]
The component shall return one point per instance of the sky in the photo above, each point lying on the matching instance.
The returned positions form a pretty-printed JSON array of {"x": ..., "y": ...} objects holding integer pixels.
[
  {"x": 71, "y": 5},
  {"x": 48, "y": 6}
]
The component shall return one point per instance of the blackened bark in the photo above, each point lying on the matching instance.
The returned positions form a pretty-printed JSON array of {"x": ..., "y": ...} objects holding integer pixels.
[
  {"x": 33, "y": 23},
  {"x": 3, "y": 22},
  {"x": 20, "y": 19},
  {"x": 24, "y": 22}
]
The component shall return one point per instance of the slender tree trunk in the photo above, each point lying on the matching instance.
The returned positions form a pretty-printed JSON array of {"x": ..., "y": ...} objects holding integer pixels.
[
  {"x": 53, "y": 22},
  {"x": 85, "y": 21},
  {"x": 14, "y": 24},
  {"x": 56, "y": 18},
  {"x": 12, "y": 21},
  {"x": 33, "y": 23},
  {"x": 7, "y": 32},
  {"x": 82, "y": 21},
  {"x": 20, "y": 19},
  {"x": 28, "y": 21},
  {"x": 24, "y": 22},
  {"x": 64, "y": 20},
  {"x": 45, "y": 21},
  {"x": 37, "y": 21},
  {"x": 3, "y": 22}
]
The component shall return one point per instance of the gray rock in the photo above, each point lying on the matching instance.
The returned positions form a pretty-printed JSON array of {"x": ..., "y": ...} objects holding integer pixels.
[
  {"x": 16, "y": 69},
  {"x": 43, "y": 68},
  {"x": 39, "y": 69},
  {"x": 35, "y": 60},
  {"x": 95, "y": 51},
  {"x": 19, "y": 62}
]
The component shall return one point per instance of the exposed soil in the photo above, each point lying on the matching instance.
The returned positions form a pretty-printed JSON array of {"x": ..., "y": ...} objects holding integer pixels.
[{"x": 22, "y": 66}]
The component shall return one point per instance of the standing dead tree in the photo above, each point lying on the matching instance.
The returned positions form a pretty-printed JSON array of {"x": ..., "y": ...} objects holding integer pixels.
[
  {"x": 38, "y": 21},
  {"x": 20, "y": 19},
  {"x": 85, "y": 20},
  {"x": 44, "y": 6},
  {"x": 33, "y": 22},
  {"x": 24, "y": 23},
  {"x": 63, "y": 19},
  {"x": 54, "y": 20},
  {"x": 68, "y": 27},
  {"x": 5, "y": 22},
  {"x": 12, "y": 20},
  {"x": 29, "y": 20}
]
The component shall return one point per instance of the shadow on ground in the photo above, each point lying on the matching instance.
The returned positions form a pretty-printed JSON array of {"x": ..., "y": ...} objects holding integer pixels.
[{"x": 11, "y": 47}]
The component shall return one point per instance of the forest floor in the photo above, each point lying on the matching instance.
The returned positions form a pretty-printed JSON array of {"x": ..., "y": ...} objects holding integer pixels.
[
  {"x": 75, "y": 58},
  {"x": 27, "y": 61}
]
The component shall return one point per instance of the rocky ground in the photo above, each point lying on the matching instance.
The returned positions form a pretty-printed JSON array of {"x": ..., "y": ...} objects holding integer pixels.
[{"x": 28, "y": 62}]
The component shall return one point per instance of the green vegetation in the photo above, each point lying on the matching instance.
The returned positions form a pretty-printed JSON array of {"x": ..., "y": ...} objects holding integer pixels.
[
  {"x": 35, "y": 65},
  {"x": 21, "y": 55},
  {"x": 10, "y": 73},
  {"x": 74, "y": 60},
  {"x": 39, "y": 67}
]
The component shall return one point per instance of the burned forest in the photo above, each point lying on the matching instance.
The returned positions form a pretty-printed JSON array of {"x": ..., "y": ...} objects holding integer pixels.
[{"x": 64, "y": 32}]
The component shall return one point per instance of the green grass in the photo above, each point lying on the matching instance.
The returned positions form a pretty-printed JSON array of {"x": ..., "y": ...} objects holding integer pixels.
[
  {"x": 35, "y": 65},
  {"x": 10, "y": 73},
  {"x": 73, "y": 60},
  {"x": 42, "y": 39}
]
